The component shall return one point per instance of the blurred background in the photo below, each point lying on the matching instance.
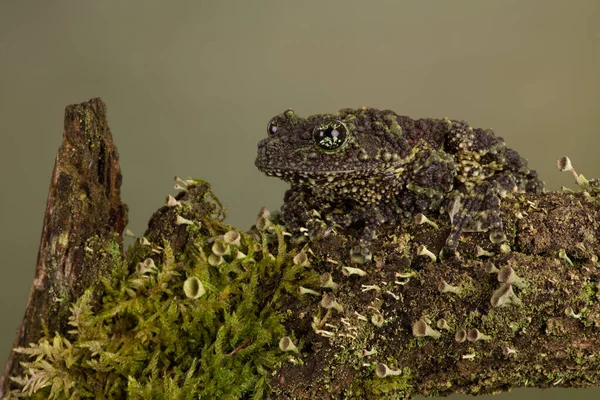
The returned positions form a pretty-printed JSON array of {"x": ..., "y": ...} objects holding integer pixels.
[{"x": 191, "y": 85}]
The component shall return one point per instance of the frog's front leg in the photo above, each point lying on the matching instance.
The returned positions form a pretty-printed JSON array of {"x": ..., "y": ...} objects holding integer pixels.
[
  {"x": 371, "y": 215},
  {"x": 303, "y": 213}
]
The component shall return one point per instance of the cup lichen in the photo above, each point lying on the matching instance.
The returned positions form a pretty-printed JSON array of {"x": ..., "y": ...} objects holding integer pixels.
[
  {"x": 475, "y": 334},
  {"x": 443, "y": 324},
  {"x": 423, "y": 251},
  {"x": 286, "y": 344},
  {"x": 232, "y": 238},
  {"x": 326, "y": 281},
  {"x": 460, "y": 336},
  {"x": 562, "y": 254},
  {"x": 420, "y": 218},
  {"x": 504, "y": 296},
  {"x": 329, "y": 302},
  {"x": 193, "y": 288},
  {"x": 569, "y": 312},
  {"x": 303, "y": 290},
  {"x": 347, "y": 271},
  {"x": 382, "y": 371},
  {"x": 445, "y": 287},
  {"x": 422, "y": 329},
  {"x": 507, "y": 274}
]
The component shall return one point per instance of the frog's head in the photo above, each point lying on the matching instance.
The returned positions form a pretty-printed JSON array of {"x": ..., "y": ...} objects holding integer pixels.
[{"x": 350, "y": 144}]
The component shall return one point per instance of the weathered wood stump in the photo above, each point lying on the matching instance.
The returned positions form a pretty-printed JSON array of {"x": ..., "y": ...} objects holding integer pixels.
[{"x": 84, "y": 216}]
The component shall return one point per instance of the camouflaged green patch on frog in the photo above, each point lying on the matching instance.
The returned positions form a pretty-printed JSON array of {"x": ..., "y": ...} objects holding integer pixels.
[{"x": 373, "y": 167}]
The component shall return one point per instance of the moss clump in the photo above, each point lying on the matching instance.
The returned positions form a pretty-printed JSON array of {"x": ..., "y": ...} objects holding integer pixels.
[
  {"x": 392, "y": 387},
  {"x": 148, "y": 340}
]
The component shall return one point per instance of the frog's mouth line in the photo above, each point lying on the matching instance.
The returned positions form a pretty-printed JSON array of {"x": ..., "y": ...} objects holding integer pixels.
[
  {"x": 324, "y": 177},
  {"x": 273, "y": 170},
  {"x": 312, "y": 177},
  {"x": 280, "y": 172}
]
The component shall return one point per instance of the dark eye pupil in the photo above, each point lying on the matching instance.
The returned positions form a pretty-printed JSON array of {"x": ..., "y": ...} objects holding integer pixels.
[{"x": 330, "y": 135}]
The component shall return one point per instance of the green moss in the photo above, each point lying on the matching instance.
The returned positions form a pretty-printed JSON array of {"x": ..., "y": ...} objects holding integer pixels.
[
  {"x": 393, "y": 387},
  {"x": 590, "y": 292},
  {"x": 147, "y": 340}
]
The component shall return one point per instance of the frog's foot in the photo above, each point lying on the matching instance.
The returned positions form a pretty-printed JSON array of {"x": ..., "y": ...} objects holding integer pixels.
[
  {"x": 372, "y": 217},
  {"x": 300, "y": 215},
  {"x": 478, "y": 211}
]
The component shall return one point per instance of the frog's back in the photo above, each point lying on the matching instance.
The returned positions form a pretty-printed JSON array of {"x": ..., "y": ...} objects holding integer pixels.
[{"x": 478, "y": 153}]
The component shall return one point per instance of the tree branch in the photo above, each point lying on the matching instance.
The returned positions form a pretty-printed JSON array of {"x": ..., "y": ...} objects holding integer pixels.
[
  {"x": 492, "y": 319},
  {"x": 523, "y": 312}
]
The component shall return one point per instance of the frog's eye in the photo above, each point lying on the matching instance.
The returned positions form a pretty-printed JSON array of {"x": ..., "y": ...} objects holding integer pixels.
[
  {"x": 272, "y": 127},
  {"x": 330, "y": 135}
]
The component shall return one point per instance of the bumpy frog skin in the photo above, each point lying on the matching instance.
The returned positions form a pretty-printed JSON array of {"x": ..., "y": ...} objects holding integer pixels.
[{"x": 371, "y": 167}]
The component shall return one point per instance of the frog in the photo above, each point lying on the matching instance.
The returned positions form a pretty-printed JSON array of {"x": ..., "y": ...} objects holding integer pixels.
[{"x": 366, "y": 167}]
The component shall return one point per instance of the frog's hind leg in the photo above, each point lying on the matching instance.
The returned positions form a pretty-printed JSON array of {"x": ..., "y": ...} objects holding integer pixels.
[{"x": 476, "y": 211}]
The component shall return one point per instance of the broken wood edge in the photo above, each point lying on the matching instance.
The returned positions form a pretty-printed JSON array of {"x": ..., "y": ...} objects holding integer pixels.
[{"x": 84, "y": 213}]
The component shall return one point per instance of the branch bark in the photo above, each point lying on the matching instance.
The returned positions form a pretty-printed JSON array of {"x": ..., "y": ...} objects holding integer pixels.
[
  {"x": 526, "y": 315},
  {"x": 82, "y": 229}
]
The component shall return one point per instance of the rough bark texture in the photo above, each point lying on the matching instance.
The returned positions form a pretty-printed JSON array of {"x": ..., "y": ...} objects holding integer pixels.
[
  {"x": 551, "y": 338},
  {"x": 84, "y": 220}
]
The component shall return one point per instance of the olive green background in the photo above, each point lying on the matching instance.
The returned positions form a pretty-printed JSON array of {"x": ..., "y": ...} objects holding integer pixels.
[{"x": 191, "y": 85}]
